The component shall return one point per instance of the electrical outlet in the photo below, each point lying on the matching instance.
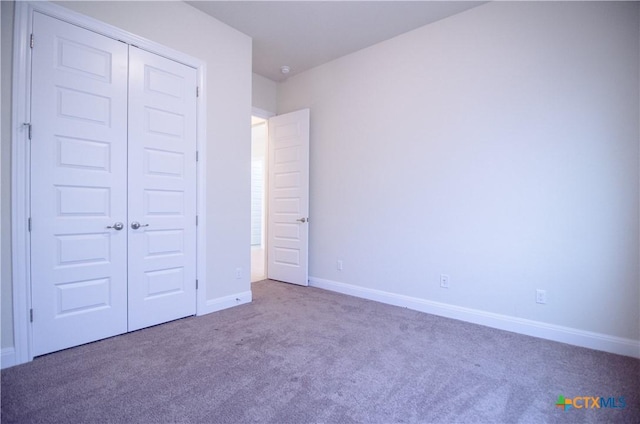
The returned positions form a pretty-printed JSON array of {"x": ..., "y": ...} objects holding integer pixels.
[
  {"x": 339, "y": 264},
  {"x": 444, "y": 281},
  {"x": 541, "y": 296},
  {"x": 238, "y": 273}
]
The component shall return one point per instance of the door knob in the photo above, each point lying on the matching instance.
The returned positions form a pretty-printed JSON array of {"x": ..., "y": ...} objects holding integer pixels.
[
  {"x": 135, "y": 225},
  {"x": 117, "y": 226},
  {"x": 302, "y": 220}
]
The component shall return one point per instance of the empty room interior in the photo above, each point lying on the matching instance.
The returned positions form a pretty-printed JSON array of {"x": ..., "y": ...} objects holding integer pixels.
[{"x": 301, "y": 211}]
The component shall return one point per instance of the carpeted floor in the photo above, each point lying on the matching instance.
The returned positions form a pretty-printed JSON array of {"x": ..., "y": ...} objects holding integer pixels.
[{"x": 302, "y": 355}]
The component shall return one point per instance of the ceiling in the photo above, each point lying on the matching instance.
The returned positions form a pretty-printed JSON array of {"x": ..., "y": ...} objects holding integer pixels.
[{"x": 305, "y": 34}]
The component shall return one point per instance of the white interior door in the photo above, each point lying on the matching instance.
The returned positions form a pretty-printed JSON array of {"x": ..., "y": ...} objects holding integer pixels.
[
  {"x": 79, "y": 175},
  {"x": 162, "y": 190},
  {"x": 288, "y": 221},
  {"x": 113, "y": 187}
]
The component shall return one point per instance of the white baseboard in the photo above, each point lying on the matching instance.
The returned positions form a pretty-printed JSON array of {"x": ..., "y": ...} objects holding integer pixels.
[
  {"x": 8, "y": 354},
  {"x": 220, "y": 303},
  {"x": 597, "y": 341},
  {"x": 7, "y": 357}
]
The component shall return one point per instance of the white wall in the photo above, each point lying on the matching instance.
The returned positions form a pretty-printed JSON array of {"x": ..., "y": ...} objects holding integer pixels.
[
  {"x": 6, "y": 339},
  {"x": 499, "y": 146},
  {"x": 227, "y": 53},
  {"x": 264, "y": 93}
]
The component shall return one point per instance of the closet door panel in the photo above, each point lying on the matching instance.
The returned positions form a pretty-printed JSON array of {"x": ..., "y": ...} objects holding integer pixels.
[
  {"x": 162, "y": 189},
  {"x": 78, "y": 185}
]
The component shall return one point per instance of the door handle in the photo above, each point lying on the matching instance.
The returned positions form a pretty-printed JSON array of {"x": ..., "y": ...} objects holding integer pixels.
[
  {"x": 117, "y": 226},
  {"x": 135, "y": 225},
  {"x": 303, "y": 220}
]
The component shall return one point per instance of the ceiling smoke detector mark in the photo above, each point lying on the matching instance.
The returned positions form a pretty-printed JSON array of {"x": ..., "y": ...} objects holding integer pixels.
[
  {"x": 284, "y": 70},
  {"x": 310, "y": 44}
]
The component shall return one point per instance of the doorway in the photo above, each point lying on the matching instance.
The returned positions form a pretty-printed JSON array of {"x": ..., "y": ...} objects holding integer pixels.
[
  {"x": 111, "y": 194},
  {"x": 280, "y": 197},
  {"x": 259, "y": 163}
]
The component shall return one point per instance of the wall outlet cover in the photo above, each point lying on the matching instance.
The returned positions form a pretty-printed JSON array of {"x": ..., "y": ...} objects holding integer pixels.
[{"x": 444, "y": 281}]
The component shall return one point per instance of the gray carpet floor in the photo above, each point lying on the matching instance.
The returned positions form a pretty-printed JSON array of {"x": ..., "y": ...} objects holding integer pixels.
[{"x": 304, "y": 355}]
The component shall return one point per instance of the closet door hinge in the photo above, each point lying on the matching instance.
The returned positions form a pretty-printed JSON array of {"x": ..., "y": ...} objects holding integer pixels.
[
  {"x": 196, "y": 284},
  {"x": 196, "y": 220},
  {"x": 31, "y": 41},
  {"x": 30, "y": 315},
  {"x": 28, "y": 125},
  {"x": 197, "y": 91},
  {"x": 197, "y": 156},
  {"x": 29, "y": 223}
]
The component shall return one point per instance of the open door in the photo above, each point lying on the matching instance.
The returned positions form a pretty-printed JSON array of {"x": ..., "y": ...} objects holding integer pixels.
[{"x": 288, "y": 216}]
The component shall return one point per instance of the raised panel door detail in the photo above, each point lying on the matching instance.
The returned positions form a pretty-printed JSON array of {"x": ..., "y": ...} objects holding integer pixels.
[
  {"x": 285, "y": 131},
  {"x": 162, "y": 82},
  {"x": 164, "y": 282},
  {"x": 287, "y": 180},
  {"x": 83, "y": 249},
  {"x": 287, "y": 257},
  {"x": 287, "y": 154},
  {"x": 164, "y": 123},
  {"x": 84, "y": 154},
  {"x": 83, "y": 296},
  {"x": 83, "y": 201},
  {"x": 286, "y": 231},
  {"x": 164, "y": 242},
  {"x": 164, "y": 163},
  {"x": 284, "y": 205},
  {"x": 76, "y": 104},
  {"x": 163, "y": 202},
  {"x": 84, "y": 59}
]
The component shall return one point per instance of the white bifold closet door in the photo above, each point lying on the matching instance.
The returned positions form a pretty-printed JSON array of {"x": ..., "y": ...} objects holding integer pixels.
[{"x": 113, "y": 186}]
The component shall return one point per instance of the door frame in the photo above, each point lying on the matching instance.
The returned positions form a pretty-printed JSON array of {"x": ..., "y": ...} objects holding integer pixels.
[
  {"x": 20, "y": 157},
  {"x": 265, "y": 114}
]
